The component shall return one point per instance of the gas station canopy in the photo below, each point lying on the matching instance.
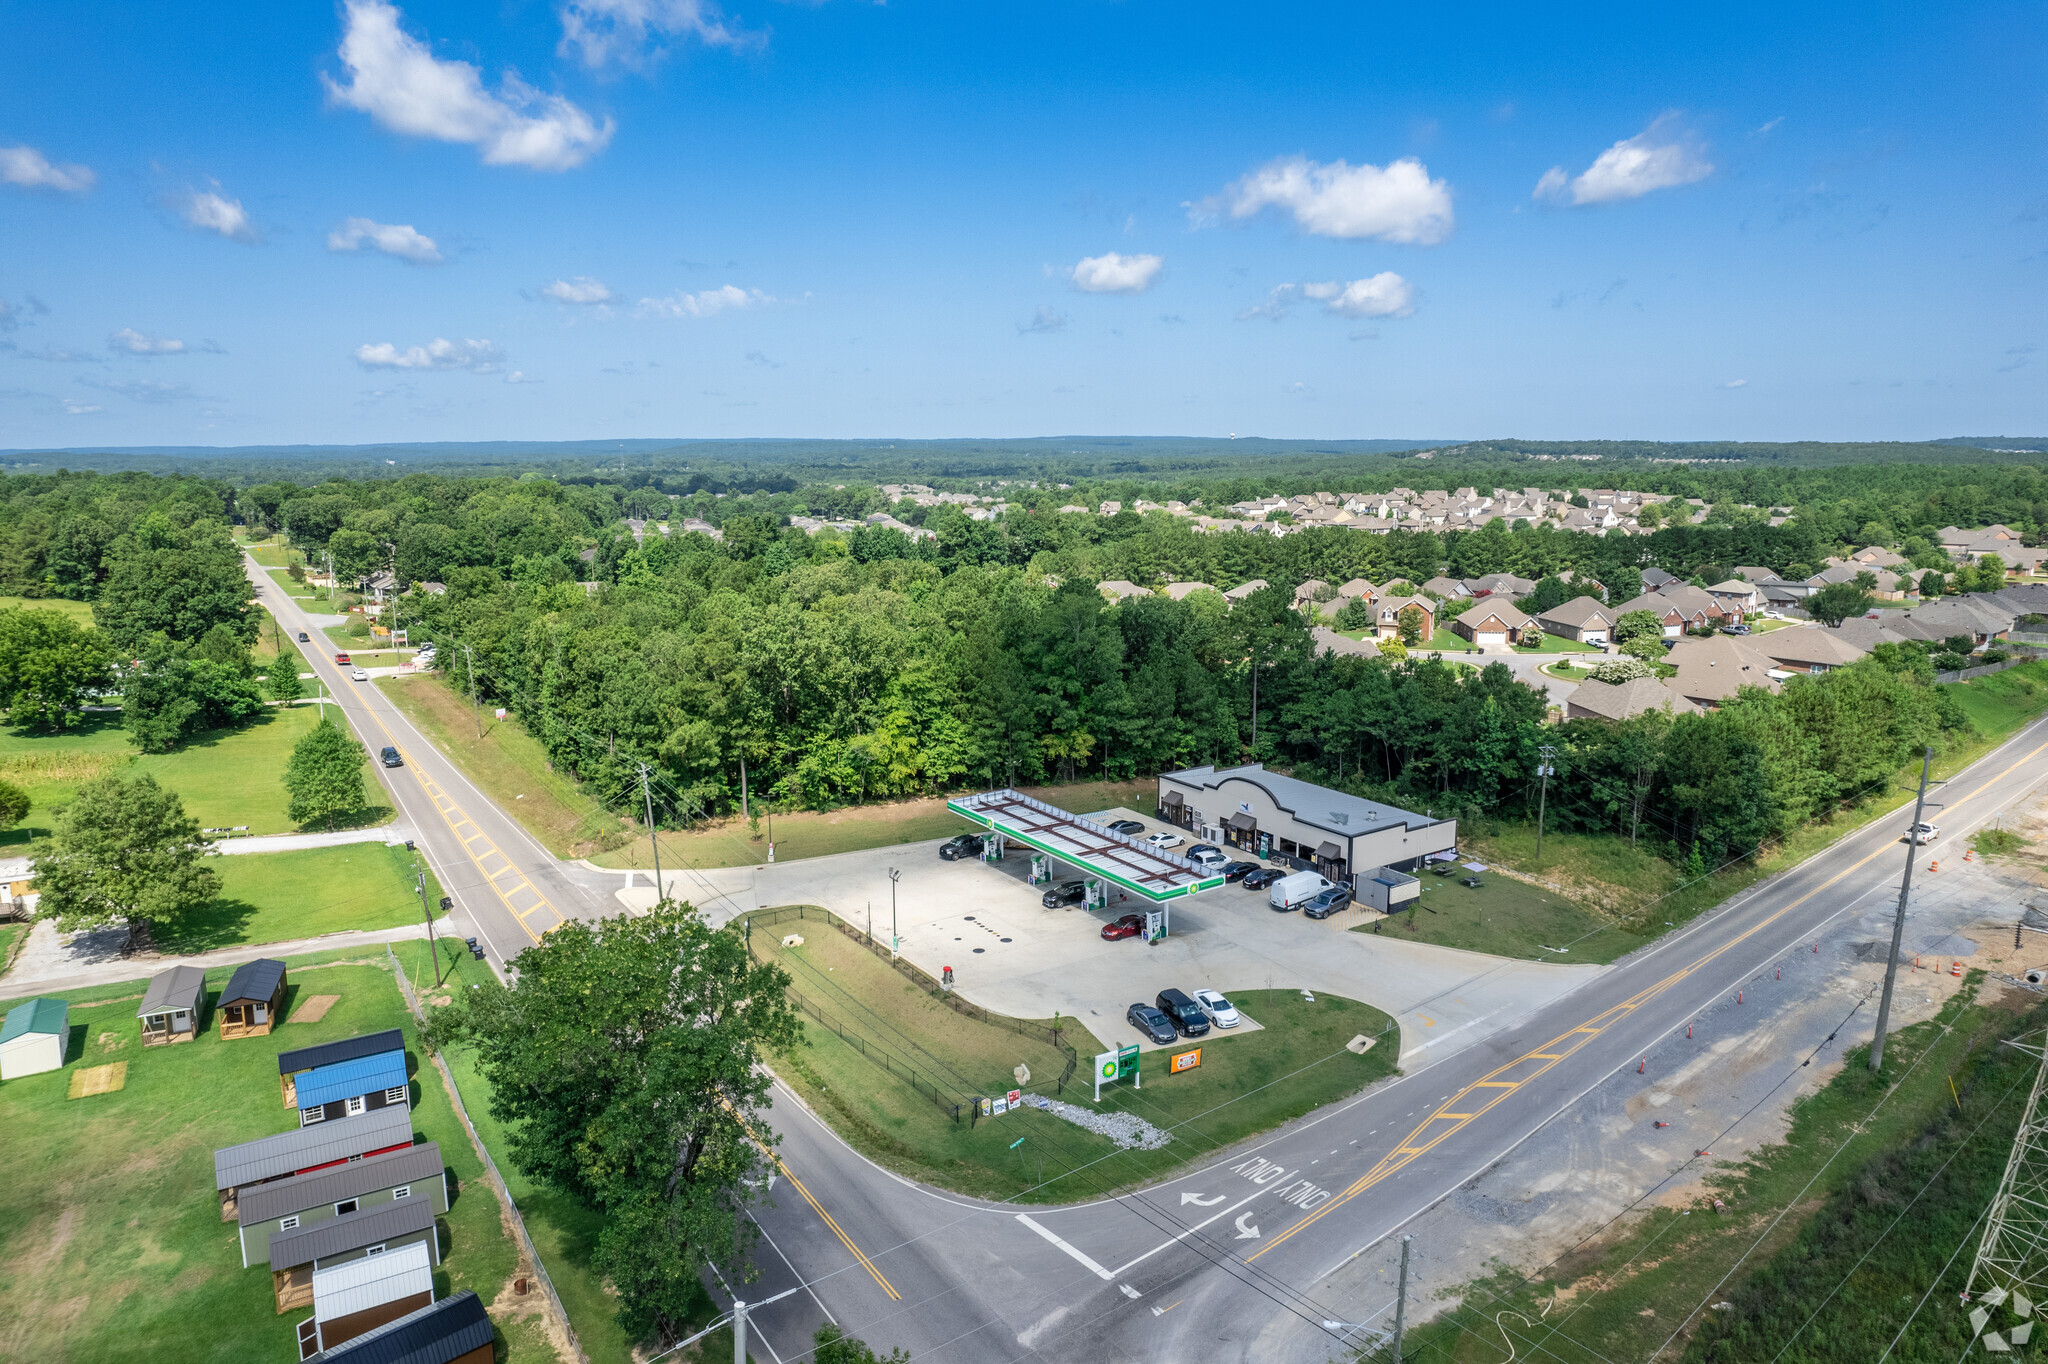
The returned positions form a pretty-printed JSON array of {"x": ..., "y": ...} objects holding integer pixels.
[{"x": 1152, "y": 873}]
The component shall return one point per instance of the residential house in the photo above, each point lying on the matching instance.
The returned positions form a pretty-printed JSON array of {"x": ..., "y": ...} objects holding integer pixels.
[
  {"x": 1450, "y": 589},
  {"x": 1623, "y": 700},
  {"x": 1243, "y": 590},
  {"x": 1699, "y": 607},
  {"x": 360, "y": 1295},
  {"x": 1390, "y": 609},
  {"x": 1181, "y": 591},
  {"x": 1713, "y": 669},
  {"x": 1492, "y": 624},
  {"x": 1756, "y": 573},
  {"x": 1974, "y": 615},
  {"x": 291, "y": 1063},
  {"x": 253, "y": 1000},
  {"x": 1359, "y": 587},
  {"x": 1737, "y": 599},
  {"x": 1677, "y": 617},
  {"x": 172, "y": 1006},
  {"x": 1117, "y": 589},
  {"x": 350, "y": 1089},
  {"x": 454, "y": 1330},
  {"x": 1497, "y": 584},
  {"x": 293, "y": 1255},
  {"x": 303, "y": 1200},
  {"x": 1307, "y": 591},
  {"x": 1654, "y": 578},
  {"x": 1584, "y": 619},
  {"x": 237, "y": 1169},
  {"x": 34, "y": 1038},
  {"x": 1324, "y": 640},
  {"x": 1808, "y": 649}
]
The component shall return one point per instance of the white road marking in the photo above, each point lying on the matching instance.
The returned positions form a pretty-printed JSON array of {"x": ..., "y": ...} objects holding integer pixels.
[{"x": 1078, "y": 1255}]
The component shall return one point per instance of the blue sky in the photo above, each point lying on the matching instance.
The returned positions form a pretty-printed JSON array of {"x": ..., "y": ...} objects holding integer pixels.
[{"x": 435, "y": 220}]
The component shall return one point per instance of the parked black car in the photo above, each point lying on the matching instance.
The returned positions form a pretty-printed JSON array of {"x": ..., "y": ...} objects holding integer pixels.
[
  {"x": 391, "y": 758},
  {"x": 1127, "y": 827},
  {"x": 1187, "y": 1015},
  {"x": 1260, "y": 879},
  {"x": 1327, "y": 903},
  {"x": 1152, "y": 1023},
  {"x": 1064, "y": 893},
  {"x": 1237, "y": 871},
  {"x": 965, "y": 845}
]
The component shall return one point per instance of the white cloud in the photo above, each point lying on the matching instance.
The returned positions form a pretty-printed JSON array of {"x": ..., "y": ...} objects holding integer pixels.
[
  {"x": 518, "y": 376},
  {"x": 1114, "y": 273},
  {"x": 135, "y": 343},
  {"x": 1736, "y": 383},
  {"x": 630, "y": 31},
  {"x": 1658, "y": 157},
  {"x": 706, "y": 303},
  {"x": 74, "y": 408},
  {"x": 210, "y": 212},
  {"x": 440, "y": 353},
  {"x": 582, "y": 289},
  {"x": 393, "y": 239},
  {"x": 1383, "y": 295},
  {"x": 398, "y": 82},
  {"x": 1397, "y": 203},
  {"x": 30, "y": 169},
  {"x": 1043, "y": 320},
  {"x": 144, "y": 390}
]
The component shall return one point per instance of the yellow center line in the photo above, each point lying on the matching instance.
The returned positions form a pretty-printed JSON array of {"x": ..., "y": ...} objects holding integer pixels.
[
  {"x": 844, "y": 1239},
  {"x": 1569, "y": 1043}
]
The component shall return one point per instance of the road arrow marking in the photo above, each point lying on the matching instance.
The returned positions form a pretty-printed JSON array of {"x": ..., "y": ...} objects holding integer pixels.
[
  {"x": 1246, "y": 1233},
  {"x": 1130, "y": 1292},
  {"x": 1200, "y": 1201}
]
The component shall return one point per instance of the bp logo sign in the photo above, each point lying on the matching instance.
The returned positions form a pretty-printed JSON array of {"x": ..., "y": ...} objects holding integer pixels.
[
  {"x": 1112, "y": 1066},
  {"x": 1105, "y": 1066}
]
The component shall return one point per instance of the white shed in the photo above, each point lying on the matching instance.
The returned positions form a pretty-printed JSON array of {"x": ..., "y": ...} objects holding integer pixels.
[{"x": 33, "y": 1038}]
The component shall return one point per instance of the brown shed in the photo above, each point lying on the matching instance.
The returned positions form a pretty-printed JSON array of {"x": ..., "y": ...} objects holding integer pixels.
[{"x": 250, "y": 1005}]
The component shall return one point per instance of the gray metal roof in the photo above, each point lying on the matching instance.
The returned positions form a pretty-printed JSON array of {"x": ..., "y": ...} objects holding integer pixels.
[
  {"x": 448, "y": 1330},
  {"x": 1347, "y": 816},
  {"x": 413, "y": 1165},
  {"x": 289, "y": 1152},
  {"x": 253, "y": 980},
  {"x": 350, "y": 1231},
  {"x": 181, "y": 987}
]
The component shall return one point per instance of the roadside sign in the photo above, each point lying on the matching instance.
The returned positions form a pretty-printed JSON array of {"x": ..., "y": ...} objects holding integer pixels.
[
  {"x": 1127, "y": 1060},
  {"x": 1112, "y": 1066},
  {"x": 1015, "y": 1097},
  {"x": 1187, "y": 1060}
]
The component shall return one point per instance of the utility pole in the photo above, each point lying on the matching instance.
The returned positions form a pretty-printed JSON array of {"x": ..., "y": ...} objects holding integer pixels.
[
  {"x": 475, "y": 707},
  {"x": 1891, "y": 969},
  {"x": 1543, "y": 769},
  {"x": 739, "y": 1332},
  {"x": 771, "y": 829},
  {"x": 1401, "y": 1301},
  {"x": 330, "y": 577},
  {"x": 432, "y": 946},
  {"x": 653, "y": 838},
  {"x": 894, "y": 937}
]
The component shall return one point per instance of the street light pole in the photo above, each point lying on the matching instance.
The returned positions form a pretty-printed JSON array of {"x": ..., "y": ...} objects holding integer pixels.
[
  {"x": 894, "y": 937},
  {"x": 432, "y": 946},
  {"x": 1401, "y": 1301},
  {"x": 475, "y": 707},
  {"x": 1891, "y": 969}
]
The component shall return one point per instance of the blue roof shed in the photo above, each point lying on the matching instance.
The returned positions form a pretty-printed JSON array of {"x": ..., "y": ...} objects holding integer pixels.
[{"x": 350, "y": 1079}]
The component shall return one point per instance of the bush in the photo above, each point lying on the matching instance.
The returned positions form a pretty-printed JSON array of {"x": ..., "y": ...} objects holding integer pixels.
[{"x": 1622, "y": 669}]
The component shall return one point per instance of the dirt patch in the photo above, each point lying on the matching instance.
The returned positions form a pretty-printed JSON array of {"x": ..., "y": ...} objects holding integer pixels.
[
  {"x": 315, "y": 1009},
  {"x": 91, "y": 1080},
  {"x": 111, "y": 1041}
]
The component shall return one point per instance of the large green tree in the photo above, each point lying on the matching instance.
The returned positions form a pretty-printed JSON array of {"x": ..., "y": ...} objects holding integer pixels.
[
  {"x": 123, "y": 852},
  {"x": 1837, "y": 602},
  {"x": 175, "y": 691},
  {"x": 626, "y": 1065},
  {"x": 179, "y": 582},
  {"x": 49, "y": 666},
  {"x": 325, "y": 776}
]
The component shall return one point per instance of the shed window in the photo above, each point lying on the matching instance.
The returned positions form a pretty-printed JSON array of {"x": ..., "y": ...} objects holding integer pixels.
[
  {"x": 374, "y": 1250},
  {"x": 309, "y": 1116},
  {"x": 346, "y": 1206},
  {"x": 395, "y": 1096},
  {"x": 287, "y": 1223},
  {"x": 402, "y": 1191},
  {"x": 357, "y": 1105}
]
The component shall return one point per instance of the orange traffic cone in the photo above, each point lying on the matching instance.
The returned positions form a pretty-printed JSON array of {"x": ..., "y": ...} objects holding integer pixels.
[
  {"x": 1934, "y": 866},
  {"x": 1970, "y": 855}
]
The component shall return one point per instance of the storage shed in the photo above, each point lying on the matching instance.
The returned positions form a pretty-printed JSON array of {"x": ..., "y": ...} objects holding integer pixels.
[
  {"x": 353, "y": 1088},
  {"x": 237, "y": 1169},
  {"x": 454, "y": 1330},
  {"x": 296, "y": 1253},
  {"x": 361, "y": 1295},
  {"x": 173, "y": 1006},
  {"x": 353, "y": 1186},
  {"x": 290, "y": 1064},
  {"x": 1387, "y": 890},
  {"x": 250, "y": 1006},
  {"x": 33, "y": 1038}
]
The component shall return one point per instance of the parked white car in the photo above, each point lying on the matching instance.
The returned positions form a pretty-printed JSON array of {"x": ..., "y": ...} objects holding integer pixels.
[
  {"x": 1166, "y": 838},
  {"x": 359, "y": 675},
  {"x": 1220, "y": 1010}
]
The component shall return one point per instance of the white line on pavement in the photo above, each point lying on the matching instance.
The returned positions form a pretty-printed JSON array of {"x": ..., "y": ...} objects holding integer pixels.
[{"x": 1099, "y": 1271}]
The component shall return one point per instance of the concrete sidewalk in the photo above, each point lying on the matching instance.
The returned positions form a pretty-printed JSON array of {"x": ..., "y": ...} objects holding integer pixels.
[
  {"x": 51, "y": 962},
  {"x": 269, "y": 843}
]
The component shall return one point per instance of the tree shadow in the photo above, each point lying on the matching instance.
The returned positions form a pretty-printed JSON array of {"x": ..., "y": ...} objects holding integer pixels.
[{"x": 218, "y": 923}]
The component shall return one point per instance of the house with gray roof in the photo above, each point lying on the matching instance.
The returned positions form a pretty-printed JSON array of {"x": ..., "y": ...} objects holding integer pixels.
[
  {"x": 1623, "y": 700},
  {"x": 1243, "y": 590},
  {"x": 295, "y": 1253},
  {"x": 237, "y": 1169},
  {"x": 254, "y": 997},
  {"x": 353, "y": 1186},
  {"x": 1324, "y": 640},
  {"x": 1492, "y": 623},
  {"x": 1808, "y": 649},
  {"x": 172, "y": 1006},
  {"x": 1587, "y": 620},
  {"x": 1182, "y": 591}
]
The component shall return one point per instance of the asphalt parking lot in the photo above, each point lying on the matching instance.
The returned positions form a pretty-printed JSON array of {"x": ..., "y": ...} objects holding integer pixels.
[{"x": 1012, "y": 955}]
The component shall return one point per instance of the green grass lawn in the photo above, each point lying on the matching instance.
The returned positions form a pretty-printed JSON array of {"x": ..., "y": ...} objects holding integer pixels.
[
  {"x": 80, "y": 611},
  {"x": 1445, "y": 641},
  {"x": 1558, "y": 644},
  {"x": 1246, "y": 1084},
  {"x": 226, "y": 778},
  {"x": 10, "y": 933},
  {"x": 1506, "y": 918},
  {"x": 110, "y": 1232},
  {"x": 292, "y": 587},
  {"x": 277, "y": 897}
]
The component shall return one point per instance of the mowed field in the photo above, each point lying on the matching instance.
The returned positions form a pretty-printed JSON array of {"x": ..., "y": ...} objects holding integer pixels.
[{"x": 112, "y": 1250}]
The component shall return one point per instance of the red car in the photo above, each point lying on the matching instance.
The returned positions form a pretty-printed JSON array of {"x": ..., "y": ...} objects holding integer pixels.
[
  {"x": 1130, "y": 926},
  {"x": 341, "y": 660}
]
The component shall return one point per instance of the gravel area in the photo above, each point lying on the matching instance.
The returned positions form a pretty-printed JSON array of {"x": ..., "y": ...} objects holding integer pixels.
[{"x": 1126, "y": 1130}]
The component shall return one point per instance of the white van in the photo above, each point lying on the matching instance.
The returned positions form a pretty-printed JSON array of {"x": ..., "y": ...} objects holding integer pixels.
[{"x": 1291, "y": 891}]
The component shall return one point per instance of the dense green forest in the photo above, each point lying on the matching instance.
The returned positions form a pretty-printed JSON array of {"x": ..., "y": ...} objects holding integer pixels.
[{"x": 831, "y": 669}]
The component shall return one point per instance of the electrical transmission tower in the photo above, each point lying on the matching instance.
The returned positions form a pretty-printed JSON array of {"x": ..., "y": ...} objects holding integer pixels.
[{"x": 2011, "y": 1268}]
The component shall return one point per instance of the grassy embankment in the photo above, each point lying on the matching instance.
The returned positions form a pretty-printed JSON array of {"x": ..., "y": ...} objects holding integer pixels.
[
  {"x": 1879, "y": 1184},
  {"x": 109, "y": 1228},
  {"x": 1247, "y": 1082},
  {"x": 226, "y": 778}
]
